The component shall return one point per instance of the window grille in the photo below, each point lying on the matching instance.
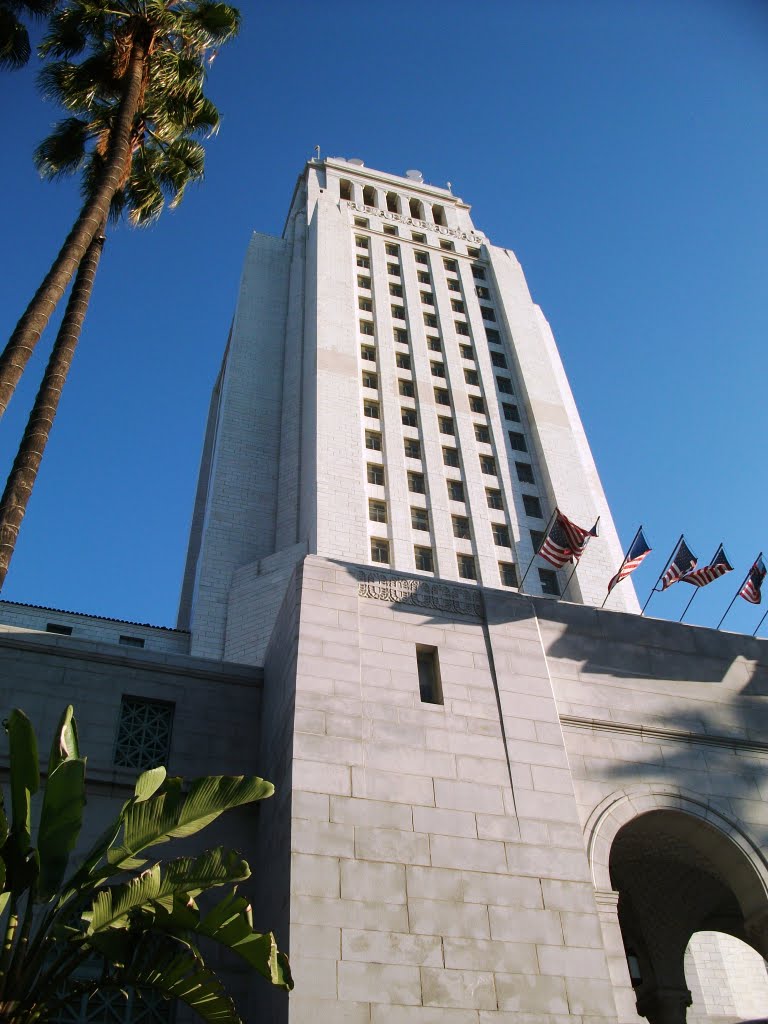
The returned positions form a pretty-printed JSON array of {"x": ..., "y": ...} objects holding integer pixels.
[{"x": 144, "y": 733}]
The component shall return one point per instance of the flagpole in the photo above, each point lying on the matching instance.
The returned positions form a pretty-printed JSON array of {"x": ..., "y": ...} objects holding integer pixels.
[
  {"x": 759, "y": 624},
  {"x": 697, "y": 589},
  {"x": 739, "y": 591},
  {"x": 576, "y": 560},
  {"x": 538, "y": 549},
  {"x": 626, "y": 559},
  {"x": 661, "y": 574}
]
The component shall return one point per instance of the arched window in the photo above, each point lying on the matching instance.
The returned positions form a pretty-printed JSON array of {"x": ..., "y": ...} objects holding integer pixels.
[
  {"x": 438, "y": 215},
  {"x": 369, "y": 196},
  {"x": 416, "y": 208},
  {"x": 393, "y": 203},
  {"x": 345, "y": 189}
]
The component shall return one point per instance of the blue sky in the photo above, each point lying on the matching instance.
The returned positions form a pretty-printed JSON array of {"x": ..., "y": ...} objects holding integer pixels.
[{"x": 620, "y": 148}]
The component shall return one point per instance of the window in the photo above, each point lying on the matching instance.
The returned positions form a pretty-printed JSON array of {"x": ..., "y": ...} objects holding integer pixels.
[
  {"x": 365, "y": 304},
  {"x": 408, "y": 417},
  {"x": 373, "y": 440},
  {"x": 479, "y": 273},
  {"x": 532, "y": 506},
  {"x": 127, "y": 641},
  {"x": 466, "y": 352},
  {"x": 438, "y": 214},
  {"x": 366, "y": 327},
  {"x": 500, "y": 535},
  {"x": 371, "y": 409},
  {"x": 457, "y": 306},
  {"x": 476, "y": 404},
  {"x": 467, "y": 569},
  {"x": 379, "y": 550},
  {"x": 430, "y": 320},
  {"x": 364, "y": 262},
  {"x": 416, "y": 208},
  {"x": 369, "y": 196},
  {"x": 363, "y": 281},
  {"x": 368, "y": 352},
  {"x": 438, "y": 369},
  {"x": 549, "y": 584},
  {"x": 393, "y": 269},
  {"x": 497, "y": 358},
  {"x": 524, "y": 473},
  {"x": 493, "y": 336},
  {"x": 482, "y": 293},
  {"x": 416, "y": 483},
  {"x": 421, "y": 257},
  {"x": 488, "y": 313},
  {"x": 392, "y": 202},
  {"x": 405, "y": 387},
  {"x": 442, "y": 397},
  {"x": 128, "y": 1005},
  {"x": 453, "y": 286},
  {"x": 370, "y": 380},
  {"x": 423, "y": 558},
  {"x": 449, "y": 246},
  {"x": 418, "y": 237},
  {"x": 511, "y": 412},
  {"x": 389, "y": 229},
  {"x": 401, "y": 335},
  {"x": 488, "y": 465},
  {"x": 461, "y": 328},
  {"x": 460, "y": 527},
  {"x": 537, "y": 538},
  {"x": 375, "y": 474},
  {"x": 450, "y": 265},
  {"x": 361, "y": 222},
  {"x": 412, "y": 448},
  {"x": 428, "y": 298},
  {"x": 470, "y": 376},
  {"x": 435, "y": 345},
  {"x": 398, "y": 312},
  {"x": 396, "y": 290},
  {"x": 403, "y": 361},
  {"x": 345, "y": 189},
  {"x": 423, "y": 277},
  {"x": 430, "y": 690},
  {"x": 391, "y": 249},
  {"x": 361, "y": 242},
  {"x": 446, "y": 425},
  {"x": 451, "y": 457},
  {"x": 517, "y": 442},
  {"x": 143, "y": 733},
  {"x": 455, "y": 490},
  {"x": 473, "y": 253},
  {"x": 419, "y": 518},
  {"x": 482, "y": 434},
  {"x": 508, "y": 574},
  {"x": 57, "y": 627},
  {"x": 504, "y": 385},
  {"x": 493, "y": 498},
  {"x": 377, "y": 511}
]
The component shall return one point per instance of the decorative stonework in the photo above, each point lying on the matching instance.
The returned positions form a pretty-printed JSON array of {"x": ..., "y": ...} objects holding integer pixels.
[
  {"x": 466, "y": 236},
  {"x": 423, "y": 593}
]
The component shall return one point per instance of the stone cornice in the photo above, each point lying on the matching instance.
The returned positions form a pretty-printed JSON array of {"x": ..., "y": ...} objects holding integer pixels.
[{"x": 661, "y": 733}]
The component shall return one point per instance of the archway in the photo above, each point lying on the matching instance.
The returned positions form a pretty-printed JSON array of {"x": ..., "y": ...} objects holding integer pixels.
[
  {"x": 677, "y": 874},
  {"x": 726, "y": 978}
]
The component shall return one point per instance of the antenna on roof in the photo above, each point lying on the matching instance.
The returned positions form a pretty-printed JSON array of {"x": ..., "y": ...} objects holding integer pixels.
[
  {"x": 449, "y": 185},
  {"x": 317, "y": 152}
]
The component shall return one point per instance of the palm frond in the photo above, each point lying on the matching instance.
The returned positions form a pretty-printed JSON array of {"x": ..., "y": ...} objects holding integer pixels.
[
  {"x": 64, "y": 150},
  {"x": 15, "y": 48}
]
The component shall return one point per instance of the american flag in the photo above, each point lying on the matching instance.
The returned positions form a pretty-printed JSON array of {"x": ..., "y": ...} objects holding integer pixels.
[
  {"x": 683, "y": 561},
  {"x": 751, "y": 589},
  {"x": 565, "y": 541},
  {"x": 637, "y": 552},
  {"x": 719, "y": 566}
]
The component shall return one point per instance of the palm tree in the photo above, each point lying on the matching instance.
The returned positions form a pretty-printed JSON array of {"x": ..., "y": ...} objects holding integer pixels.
[
  {"x": 142, "y": 75},
  {"x": 159, "y": 173},
  {"x": 135, "y": 919},
  {"x": 15, "y": 49}
]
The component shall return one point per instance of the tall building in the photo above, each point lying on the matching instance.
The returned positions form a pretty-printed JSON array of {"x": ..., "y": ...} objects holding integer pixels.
[
  {"x": 391, "y": 395},
  {"x": 493, "y": 806}
]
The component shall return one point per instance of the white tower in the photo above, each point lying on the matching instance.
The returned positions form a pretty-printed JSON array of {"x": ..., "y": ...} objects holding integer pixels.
[{"x": 390, "y": 395}]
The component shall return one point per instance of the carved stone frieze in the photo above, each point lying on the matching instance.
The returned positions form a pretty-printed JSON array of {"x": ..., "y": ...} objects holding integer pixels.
[
  {"x": 466, "y": 236},
  {"x": 440, "y": 597}
]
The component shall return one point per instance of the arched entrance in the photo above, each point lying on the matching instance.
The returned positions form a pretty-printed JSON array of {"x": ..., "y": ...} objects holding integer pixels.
[
  {"x": 677, "y": 873},
  {"x": 727, "y": 978}
]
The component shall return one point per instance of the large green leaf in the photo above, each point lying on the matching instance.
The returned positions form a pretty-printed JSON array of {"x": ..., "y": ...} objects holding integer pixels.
[
  {"x": 185, "y": 875},
  {"x": 173, "y": 814},
  {"x": 231, "y": 923},
  {"x": 149, "y": 782},
  {"x": 65, "y": 746},
  {"x": 61, "y": 818},
  {"x": 25, "y": 774}
]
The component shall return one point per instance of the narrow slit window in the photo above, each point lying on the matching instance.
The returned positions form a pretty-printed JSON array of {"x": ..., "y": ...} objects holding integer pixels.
[{"x": 430, "y": 688}]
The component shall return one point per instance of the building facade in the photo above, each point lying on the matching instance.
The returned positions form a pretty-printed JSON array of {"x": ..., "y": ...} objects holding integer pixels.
[{"x": 495, "y": 803}]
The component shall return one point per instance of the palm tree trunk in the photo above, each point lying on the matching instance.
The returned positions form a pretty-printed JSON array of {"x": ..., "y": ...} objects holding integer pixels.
[
  {"x": 21, "y": 480},
  {"x": 93, "y": 214}
]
